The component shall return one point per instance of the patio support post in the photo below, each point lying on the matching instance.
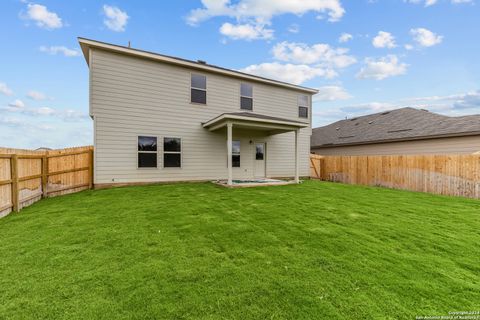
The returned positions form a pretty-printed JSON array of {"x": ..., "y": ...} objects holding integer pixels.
[
  {"x": 229, "y": 152},
  {"x": 297, "y": 138}
]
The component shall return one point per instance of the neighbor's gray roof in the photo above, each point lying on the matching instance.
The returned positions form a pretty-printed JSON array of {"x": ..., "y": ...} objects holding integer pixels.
[{"x": 396, "y": 125}]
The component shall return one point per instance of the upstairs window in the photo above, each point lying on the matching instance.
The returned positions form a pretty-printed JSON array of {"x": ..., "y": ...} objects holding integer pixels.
[
  {"x": 303, "y": 106},
  {"x": 246, "y": 96},
  {"x": 147, "y": 152},
  {"x": 236, "y": 154},
  {"x": 172, "y": 152},
  {"x": 198, "y": 89}
]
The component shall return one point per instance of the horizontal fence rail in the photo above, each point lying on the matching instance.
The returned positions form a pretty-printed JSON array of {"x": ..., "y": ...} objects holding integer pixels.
[
  {"x": 454, "y": 175},
  {"x": 28, "y": 176}
]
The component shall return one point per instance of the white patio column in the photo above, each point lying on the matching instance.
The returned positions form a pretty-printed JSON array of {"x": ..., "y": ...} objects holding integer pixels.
[
  {"x": 297, "y": 138},
  {"x": 229, "y": 152}
]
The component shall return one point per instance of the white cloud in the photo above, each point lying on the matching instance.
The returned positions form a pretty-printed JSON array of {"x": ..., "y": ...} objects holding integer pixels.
[
  {"x": 263, "y": 10},
  {"x": 384, "y": 40},
  {"x": 408, "y": 46},
  {"x": 42, "y": 17},
  {"x": 366, "y": 108},
  {"x": 301, "y": 62},
  {"x": 331, "y": 93},
  {"x": 427, "y": 3},
  {"x": 11, "y": 122},
  {"x": 320, "y": 53},
  {"x": 4, "y": 89},
  {"x": 292, "y": 73},
  {"x": 294, "y": 28},
  {"x": 425, "y": 37},
  {"x": 382, "y": 68},
  {"x": 54, "y": 50},
  {"x": 451, "y": 105},
  {"x": 246, "y": 31},
  {"x": 454, "y": 102},
  {"x": 115, "y": 19},
  {"x": 345, "y": 37},
  {"x": 17, "y": 104},
  {"x": 37, "y": 95}
]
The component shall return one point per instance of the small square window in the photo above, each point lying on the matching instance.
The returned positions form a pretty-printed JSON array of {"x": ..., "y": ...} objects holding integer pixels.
[
  {"x": 235, "y": 146},
  {"x": 246, "y": 90},
  {"x": 198, "y": 89},
  {"x": 236, "y": 161},
  {"x": 172, "y": 144},
  {"x": 147, "y": 143},
  {"x": 199, "y": 81},
  {"x": 172, "y": 152},
  {"x": 303, "y": 104},
  {"x": 147, "y": 160},
  {"x": 303, "y": 112},
  {"x": 172, "y": 160},
  {"x": 147, "y": 152},
  {"x": 246, "y": 103},
  {"x": 303, "y": 101},
  {"x": 199, "y": 96}
]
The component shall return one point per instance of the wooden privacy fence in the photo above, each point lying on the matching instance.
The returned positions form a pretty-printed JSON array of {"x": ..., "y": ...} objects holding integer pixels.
[
  {"x": 27, "y": 176},
  {"x": 455, "y": 175}
]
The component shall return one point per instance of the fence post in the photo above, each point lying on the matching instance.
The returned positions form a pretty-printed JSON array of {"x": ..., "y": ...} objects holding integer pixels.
[
  {"x": 44, "y": 176},
  {"x": 14, "y": 176},
  {"x": 90, "y": 169}
]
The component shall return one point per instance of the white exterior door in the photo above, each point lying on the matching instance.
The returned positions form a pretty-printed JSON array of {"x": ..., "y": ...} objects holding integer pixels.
[{"x": 260, "y": 159}]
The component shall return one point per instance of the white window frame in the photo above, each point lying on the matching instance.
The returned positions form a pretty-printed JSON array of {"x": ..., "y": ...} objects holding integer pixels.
[
  {"x": 242, "y": 96},
  {"x": 300, "y": 105},
  {"x": 201, "y": 89},
  {"x": 172, "y": 152},
  {"x": 138, "y": 151}
]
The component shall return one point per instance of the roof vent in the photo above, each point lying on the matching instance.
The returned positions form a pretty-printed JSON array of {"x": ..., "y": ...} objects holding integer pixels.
[
  {"x": 399, "y": 130},
  {"x": 202, "y": 61},
  {"x": 386, "y": 112},
  {"x": 353, "y": 119},
  {"x": 337, "y": 128},
  {"x": 370, "y": 122},
  {"x": 345, "y": 137}
]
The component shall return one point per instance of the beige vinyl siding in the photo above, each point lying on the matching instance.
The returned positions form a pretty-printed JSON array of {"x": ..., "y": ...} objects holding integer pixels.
[
  {"x": 133, "y": 96},
  {"x": 457, "y": 145}
]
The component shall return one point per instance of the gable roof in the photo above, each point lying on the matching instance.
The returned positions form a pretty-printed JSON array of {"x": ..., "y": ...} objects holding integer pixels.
[
  {"x": 396, "y": 125},
  {"x": 86, "y": 44}
]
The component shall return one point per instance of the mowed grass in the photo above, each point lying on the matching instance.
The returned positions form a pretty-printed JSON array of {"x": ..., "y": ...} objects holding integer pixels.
[{"x": 198, "y": 251}]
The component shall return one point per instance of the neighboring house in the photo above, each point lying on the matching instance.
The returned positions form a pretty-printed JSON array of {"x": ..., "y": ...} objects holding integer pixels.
[
  {"x": 401, "y": 131},
  {"x": 161, "y": 118}
]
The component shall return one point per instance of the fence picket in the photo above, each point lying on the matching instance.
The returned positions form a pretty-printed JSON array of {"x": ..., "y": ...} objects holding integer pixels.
[
  {"x": 32, "y": 175},
  {"x": 456, "y": 175}
]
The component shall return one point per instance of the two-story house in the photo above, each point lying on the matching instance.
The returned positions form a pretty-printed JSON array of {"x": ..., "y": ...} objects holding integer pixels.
[{"x": 160, "y": 118}]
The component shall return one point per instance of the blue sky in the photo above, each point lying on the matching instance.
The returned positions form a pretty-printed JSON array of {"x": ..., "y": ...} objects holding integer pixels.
[{"x": 364, "y": 55}]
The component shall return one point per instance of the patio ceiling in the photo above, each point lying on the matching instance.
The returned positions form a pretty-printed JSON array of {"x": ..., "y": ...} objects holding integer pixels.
[{"x": 247, "y": 120}]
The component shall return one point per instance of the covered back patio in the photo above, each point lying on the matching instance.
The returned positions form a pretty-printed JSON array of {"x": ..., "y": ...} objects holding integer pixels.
[{"x": 250, "y": 121}]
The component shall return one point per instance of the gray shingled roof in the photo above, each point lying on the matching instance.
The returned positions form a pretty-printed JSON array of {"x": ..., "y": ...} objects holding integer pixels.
[{"x": 396, "y": 125}]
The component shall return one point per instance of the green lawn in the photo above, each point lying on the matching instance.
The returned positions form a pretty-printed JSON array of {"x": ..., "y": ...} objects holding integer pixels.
[{"x": 198, "y": 251}]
